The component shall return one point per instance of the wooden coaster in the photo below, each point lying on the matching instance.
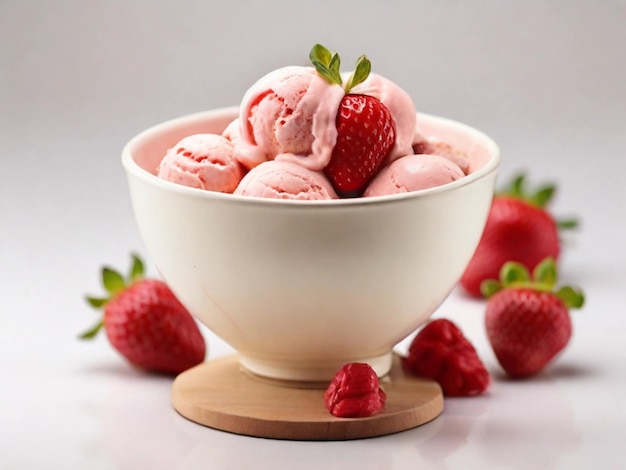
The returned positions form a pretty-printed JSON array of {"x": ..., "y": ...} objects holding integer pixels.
[{"x": 221, "y": 395}]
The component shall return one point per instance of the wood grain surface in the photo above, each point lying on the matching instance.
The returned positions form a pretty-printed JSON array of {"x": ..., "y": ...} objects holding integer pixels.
[{"x": 221, "y": 395}]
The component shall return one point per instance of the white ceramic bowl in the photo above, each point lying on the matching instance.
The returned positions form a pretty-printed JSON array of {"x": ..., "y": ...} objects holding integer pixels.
[{"x": 299, "y": 288}]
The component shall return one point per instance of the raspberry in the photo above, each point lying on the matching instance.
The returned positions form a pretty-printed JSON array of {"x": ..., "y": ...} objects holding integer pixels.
[
  {"x": 354, "y": 392},
  {"x": 441, "y": 352}
]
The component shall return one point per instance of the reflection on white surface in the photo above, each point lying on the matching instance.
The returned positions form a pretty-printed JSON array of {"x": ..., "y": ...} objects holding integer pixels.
[
  {"x": 532, "y": 427},
  {"x": 134, "y": 423},
  {"x": 515, "y": 433},
  {"x": 458, "y": 421},
  {"x": 518, "y": 425}
]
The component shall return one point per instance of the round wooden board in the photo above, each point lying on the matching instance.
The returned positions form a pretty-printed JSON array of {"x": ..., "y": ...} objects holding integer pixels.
[{"x": 221, "y": 395}]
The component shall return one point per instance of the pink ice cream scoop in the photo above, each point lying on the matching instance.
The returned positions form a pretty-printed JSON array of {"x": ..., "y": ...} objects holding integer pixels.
[
  {"x": 289, "y": 112},
  {"x": 412, "y": 173},
  {"x": 435, "y": 146},
  {"x": 285, "y": 180},
  {"x": 203, "y": 161},
  {"x": 231, "y": 132}
]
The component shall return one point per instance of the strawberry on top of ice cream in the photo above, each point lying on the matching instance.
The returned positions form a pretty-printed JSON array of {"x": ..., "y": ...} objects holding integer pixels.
[
  {"x": 345, "y": 124},
  {"x": 346, "y": 130},
  {"x": 366, "y": 128},
  {"x": 399, "y": 104}
]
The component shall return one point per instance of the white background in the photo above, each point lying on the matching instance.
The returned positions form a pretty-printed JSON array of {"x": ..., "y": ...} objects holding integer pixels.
[{"x": 547, "y": 80}]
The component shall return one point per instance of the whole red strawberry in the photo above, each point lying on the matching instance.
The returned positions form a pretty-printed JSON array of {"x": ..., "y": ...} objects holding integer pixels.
[
  {"x": 354, "y": 392},
  {"x": 441, "y": 352},
  {"x": 365, "y": 135},
  {"x": 518, "y": 228},
  {"x": 528, "y": 323},
  {"x": 146, "y": 323},
  {"x": 366, "y": 131}
]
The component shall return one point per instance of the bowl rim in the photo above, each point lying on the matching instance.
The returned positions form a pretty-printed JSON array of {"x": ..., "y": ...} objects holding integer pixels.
[{"x": 132, "y": 168}]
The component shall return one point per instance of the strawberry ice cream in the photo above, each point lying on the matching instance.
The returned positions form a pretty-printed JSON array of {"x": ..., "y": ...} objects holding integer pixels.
[
  {"x": 285, "y": 180},
  {"x": 289, "y": 111},
  {"x": 203, "y": 161},
  {"x": 435, "y": 146},
  {"x": 315, "y": 133},
  {"x": 232, "y": 132},
  {"x": 412, "y": 173}
]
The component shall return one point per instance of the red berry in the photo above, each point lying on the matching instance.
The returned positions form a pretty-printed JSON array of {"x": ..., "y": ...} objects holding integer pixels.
[
  {"x": 147, "y": 324},
  {"x": 515, "y": 231},
  {"x": 527, "y": 322},
  {"x": 366, "y": 131},
  {"x": 365, "y": 135},
  {"x": 518, "y": 228},
  {"x": 354, "y": 392},
  {"x": 441, "y": 352},
  {"x": 526, "y": 329}
]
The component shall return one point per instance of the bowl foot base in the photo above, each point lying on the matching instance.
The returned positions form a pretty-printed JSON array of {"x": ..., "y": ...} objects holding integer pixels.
[
  {"x": 312, "y": 372},
  {"x": 221, "y": 395}
]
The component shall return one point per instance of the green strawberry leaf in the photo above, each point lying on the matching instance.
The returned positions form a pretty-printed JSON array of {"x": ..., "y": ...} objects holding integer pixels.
[
  {"x": 516, "y": 187},
  {"x": 544, "y": 278},
  {"x": 543, "y": 195},
  {"x": 334, "y": 66},
  {"x": 93, "y": 331},
  {"x": 114, "y": 284},
  {"x": 361, "y": 72},
  {"x": 567, "y": 224},
  {"x": 489, "y": 287},
  {"x": 97, "y": 302},
  {"x": 324, "y": 72},
  {"x": 514, "y": 274},
  {"x": 320, "y": 55},
  {"x": 545, "y": 273},
  {"x": 326, "y": 63},
  {"x": 573, "y": 298},
  {"x": 137, "y": 269},
  {"x": 112, "y": 280}
]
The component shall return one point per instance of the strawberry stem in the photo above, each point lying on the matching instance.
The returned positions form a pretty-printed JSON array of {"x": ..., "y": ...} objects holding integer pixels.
[
  {"x": 136, "y": 270},
  {"x": 517, "y": 188},
  {"x": 93, "y": 331},
  {"x": 542, "y": 196},
  {"x": 328, "y": 65},
  {"x": 361, "y": 72},
  {"x": 113, "y": 283},
  {"x": 97, "y": 302},
  {"x": 567, "y": 224},
  {"x": 545, "y": 273},
  {"x": 573, "y": 298},
  {"x": 112, "y": 280},
  {"x": 515, "y": 275}
]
